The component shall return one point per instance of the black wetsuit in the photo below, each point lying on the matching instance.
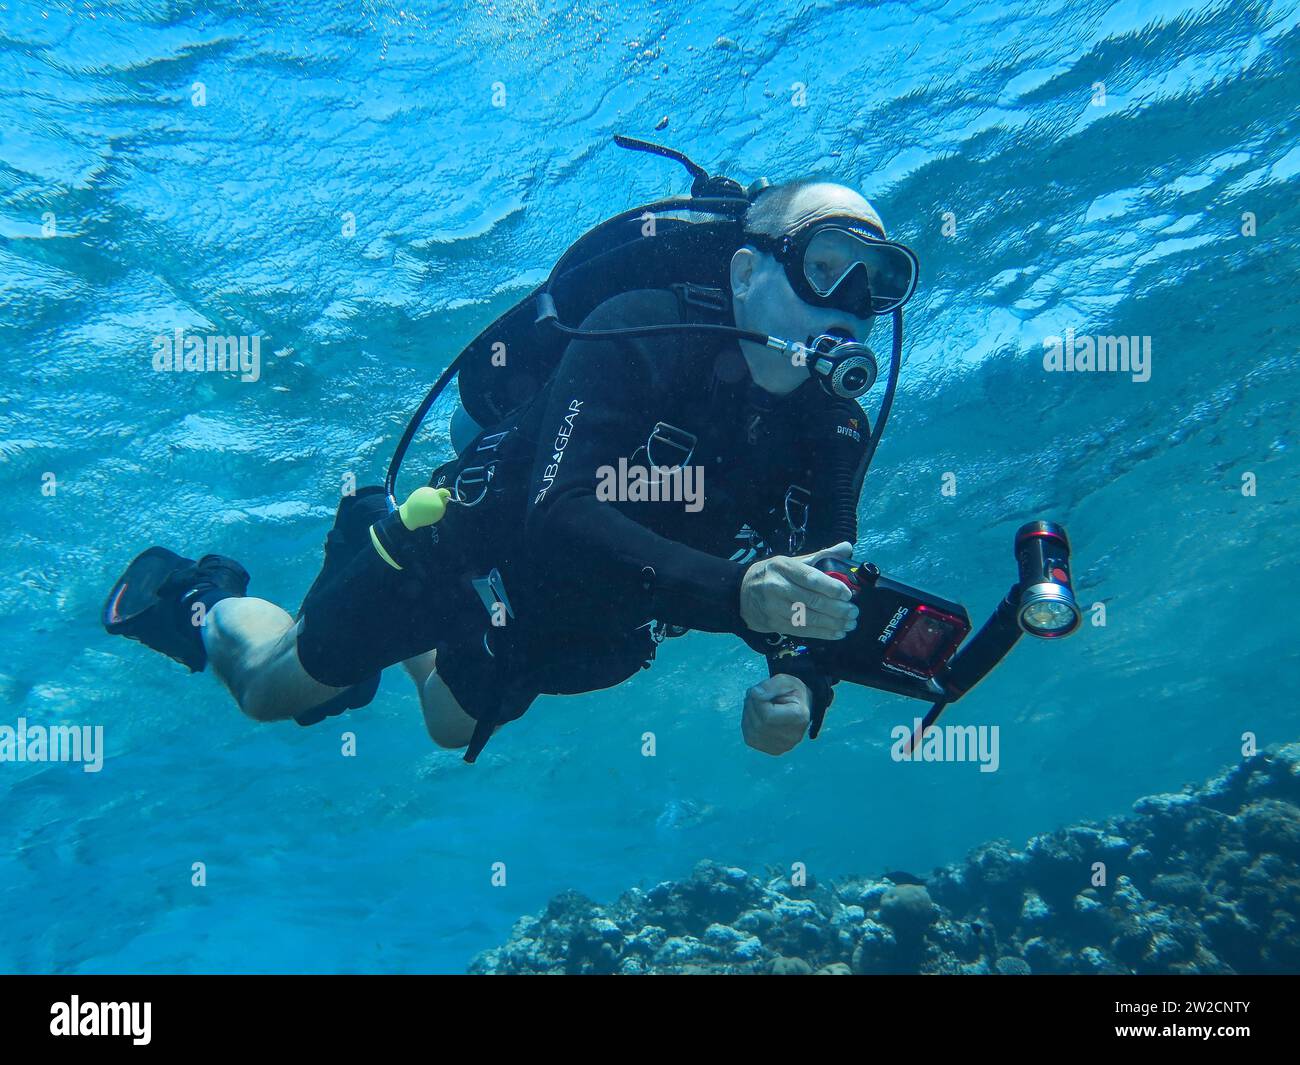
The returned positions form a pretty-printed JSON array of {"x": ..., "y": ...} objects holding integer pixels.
[{"x": 584, "y": 577}]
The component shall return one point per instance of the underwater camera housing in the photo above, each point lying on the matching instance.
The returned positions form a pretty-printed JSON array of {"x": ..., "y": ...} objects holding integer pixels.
[
  {"x": 909, "y": 642},
  {"x": 904, "y": 637}
]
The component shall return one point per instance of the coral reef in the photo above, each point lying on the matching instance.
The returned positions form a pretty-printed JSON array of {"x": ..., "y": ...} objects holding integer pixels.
[{"x": 1202, "y": 881}]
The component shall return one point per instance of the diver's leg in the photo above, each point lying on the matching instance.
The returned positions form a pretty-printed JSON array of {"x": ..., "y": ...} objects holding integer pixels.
[
  {"x": 252, "y": 645},
  {"x": 447, "y": 723},
  {"x": 196, "y": 612}
]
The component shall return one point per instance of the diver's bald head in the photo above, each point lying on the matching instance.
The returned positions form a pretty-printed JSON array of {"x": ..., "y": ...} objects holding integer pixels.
[{"x": 783, "y": 208}]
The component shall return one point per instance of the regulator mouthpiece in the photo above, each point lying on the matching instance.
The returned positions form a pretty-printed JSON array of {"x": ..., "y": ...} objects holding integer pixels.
[
  {"x": 1047, "y": 608},
  {"x": 845, "y": 368}
]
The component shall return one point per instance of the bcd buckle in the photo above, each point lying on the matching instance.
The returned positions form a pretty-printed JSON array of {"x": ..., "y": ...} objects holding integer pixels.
[
  {"x": 753, "y": 545},
  {"x": 492, "y": 440},
  {"x": 492, "y": 590},
  {"x": 672, "y": 438},
  {"x": 662, "y": 630},
  {"x": 713, "y": 299}
]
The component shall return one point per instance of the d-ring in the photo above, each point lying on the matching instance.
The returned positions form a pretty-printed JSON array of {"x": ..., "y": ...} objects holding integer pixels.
[{"x": 473, "y": 477}]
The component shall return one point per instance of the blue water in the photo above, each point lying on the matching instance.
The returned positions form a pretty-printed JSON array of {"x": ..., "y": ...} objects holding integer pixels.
[{"x": 1119, "y": 218}]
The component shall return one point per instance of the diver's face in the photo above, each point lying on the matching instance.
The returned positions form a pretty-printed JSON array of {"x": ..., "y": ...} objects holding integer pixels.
[{"x": 765, "y": 303}]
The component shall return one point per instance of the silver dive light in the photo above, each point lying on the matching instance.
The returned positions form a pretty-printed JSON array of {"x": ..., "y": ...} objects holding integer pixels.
[{"x": 1047, "y": 608}]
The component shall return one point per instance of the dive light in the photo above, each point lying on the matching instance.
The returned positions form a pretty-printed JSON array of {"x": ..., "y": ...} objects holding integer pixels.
[{"x": 1047, "y": 608}]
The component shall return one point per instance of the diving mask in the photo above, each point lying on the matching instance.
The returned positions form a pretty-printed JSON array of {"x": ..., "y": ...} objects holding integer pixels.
[{"x": 843, "y": 262}]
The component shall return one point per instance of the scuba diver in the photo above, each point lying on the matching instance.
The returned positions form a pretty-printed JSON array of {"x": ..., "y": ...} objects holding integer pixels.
[{"x": 515, "y": 572}]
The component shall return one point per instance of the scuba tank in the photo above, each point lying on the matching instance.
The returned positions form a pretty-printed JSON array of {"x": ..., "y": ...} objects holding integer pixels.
[{"x": 464, "y": 430}]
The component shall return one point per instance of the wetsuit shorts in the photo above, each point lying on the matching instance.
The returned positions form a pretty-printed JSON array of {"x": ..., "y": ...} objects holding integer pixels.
[{"x": 361, "y": 615}]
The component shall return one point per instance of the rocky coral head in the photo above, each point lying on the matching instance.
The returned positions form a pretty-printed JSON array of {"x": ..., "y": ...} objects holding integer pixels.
[
  {"x": 1012, "y": 966},
  {"x": 908, "y": 909}
]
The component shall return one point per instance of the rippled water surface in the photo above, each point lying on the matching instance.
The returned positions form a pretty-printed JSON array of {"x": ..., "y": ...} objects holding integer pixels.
[{"x": 1116, "y": 168}]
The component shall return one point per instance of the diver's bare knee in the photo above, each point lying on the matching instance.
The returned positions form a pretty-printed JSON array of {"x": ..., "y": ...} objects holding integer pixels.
[{"x": 444, "y": 719}]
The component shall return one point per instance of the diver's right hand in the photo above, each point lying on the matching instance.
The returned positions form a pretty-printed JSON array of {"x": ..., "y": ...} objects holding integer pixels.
[{"x": 773, "y": 590}]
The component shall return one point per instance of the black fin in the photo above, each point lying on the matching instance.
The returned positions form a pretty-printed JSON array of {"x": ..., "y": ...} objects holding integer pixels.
[{"x": 148, "y": 602}]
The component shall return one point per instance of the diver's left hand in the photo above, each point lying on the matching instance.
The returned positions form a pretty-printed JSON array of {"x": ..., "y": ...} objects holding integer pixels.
[{"x": 776, "y": 714}]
